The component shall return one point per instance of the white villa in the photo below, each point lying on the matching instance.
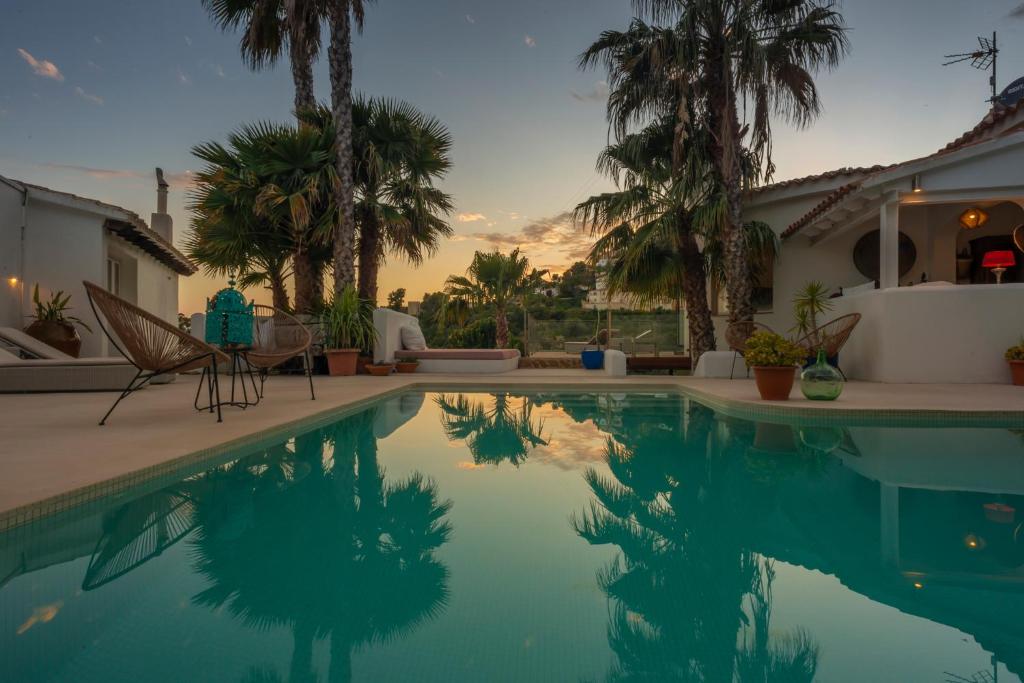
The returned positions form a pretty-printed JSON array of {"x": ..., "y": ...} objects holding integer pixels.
[
  {"x": 57, "y": 240},
  {"x": 905, "y": 245}
]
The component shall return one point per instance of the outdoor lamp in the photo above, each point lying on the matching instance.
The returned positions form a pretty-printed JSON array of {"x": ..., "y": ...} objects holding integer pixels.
[
  {"x": 998, "y": 262},
  {"x": 13, "y": 281},
  {"x": 973, "y": 218},
  {"x": 915, "y": 184}
]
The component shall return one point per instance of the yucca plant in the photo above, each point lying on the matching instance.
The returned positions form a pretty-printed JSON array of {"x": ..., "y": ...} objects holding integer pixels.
[
  {"x": 55, "y": 308},
  {"x": 808, "y": 303},
  {"x": 348, "y": 322}
]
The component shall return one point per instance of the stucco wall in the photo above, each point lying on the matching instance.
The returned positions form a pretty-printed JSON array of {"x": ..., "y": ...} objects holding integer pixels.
[{"x": 10, "y": 254}]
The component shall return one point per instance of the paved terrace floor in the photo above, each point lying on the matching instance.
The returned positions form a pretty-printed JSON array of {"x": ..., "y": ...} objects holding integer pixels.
[{"x": 51, "y": 446}]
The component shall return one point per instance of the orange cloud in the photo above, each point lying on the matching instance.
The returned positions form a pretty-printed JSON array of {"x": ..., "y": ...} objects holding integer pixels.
[{"x": 41, "y": 67}]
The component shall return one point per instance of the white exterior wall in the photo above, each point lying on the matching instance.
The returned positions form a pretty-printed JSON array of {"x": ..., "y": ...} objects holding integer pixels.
[{"x": 10, "y": 255}]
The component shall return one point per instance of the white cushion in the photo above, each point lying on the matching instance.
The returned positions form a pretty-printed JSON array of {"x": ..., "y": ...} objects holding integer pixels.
[
  {"x": 615, "y": 363},
  {"x": 412, "y": 338}
]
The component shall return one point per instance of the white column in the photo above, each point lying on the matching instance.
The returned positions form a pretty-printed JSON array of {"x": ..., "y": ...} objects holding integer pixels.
[{"x": 889, "y": 244}]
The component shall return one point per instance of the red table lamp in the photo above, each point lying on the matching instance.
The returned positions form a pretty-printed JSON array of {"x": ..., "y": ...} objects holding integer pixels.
[{"x": 998, "y": 262}]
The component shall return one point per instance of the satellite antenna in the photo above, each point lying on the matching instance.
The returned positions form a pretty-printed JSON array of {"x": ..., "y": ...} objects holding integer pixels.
[{"x": 983, "y": 59}]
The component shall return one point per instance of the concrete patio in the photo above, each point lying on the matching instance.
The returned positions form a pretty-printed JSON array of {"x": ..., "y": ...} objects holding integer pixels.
[{"x": 54, "y": 456}]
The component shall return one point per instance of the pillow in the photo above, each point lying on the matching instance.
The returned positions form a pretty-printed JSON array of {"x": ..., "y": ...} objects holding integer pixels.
[{"x": 412, "y": 338}]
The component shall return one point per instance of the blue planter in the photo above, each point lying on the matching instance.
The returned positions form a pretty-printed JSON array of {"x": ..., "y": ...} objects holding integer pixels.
[{"x": 592, "y": 359}]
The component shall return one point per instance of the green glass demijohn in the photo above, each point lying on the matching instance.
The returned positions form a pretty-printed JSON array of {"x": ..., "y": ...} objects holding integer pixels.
[
  {"x": 821, "y": 381},
  {"x": 229, "y": 318}
]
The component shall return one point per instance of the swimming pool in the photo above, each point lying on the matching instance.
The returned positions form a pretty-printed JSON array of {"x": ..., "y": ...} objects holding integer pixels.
[{"x": 540, "y": 537}]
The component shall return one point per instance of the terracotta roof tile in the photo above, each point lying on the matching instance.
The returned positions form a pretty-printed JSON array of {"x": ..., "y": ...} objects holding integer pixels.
[{"x": 827, "y": 175}]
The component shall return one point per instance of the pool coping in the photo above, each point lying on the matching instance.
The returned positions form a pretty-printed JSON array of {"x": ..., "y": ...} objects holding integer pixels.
[{"x": 152, "y": 477}]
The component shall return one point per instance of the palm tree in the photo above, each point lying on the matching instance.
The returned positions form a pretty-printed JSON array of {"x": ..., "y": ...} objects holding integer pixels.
[
  {"x": 495, "y": 279},
  {"x": 341, "y": 14},
  {"x": 494, "y": 435},
  {"x": 263, "y": 196},
  {"x": 708, "y": 57},
  {"x": 656, "y": 221},
  {"x": 269, "y": 25}
]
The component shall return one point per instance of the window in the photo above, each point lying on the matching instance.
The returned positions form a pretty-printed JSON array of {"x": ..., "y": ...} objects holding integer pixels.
[{"x": 113, "y": 276}]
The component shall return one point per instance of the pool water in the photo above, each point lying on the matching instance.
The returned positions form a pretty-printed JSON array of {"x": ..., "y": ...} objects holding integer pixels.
[{"x": 541, "y": 537}]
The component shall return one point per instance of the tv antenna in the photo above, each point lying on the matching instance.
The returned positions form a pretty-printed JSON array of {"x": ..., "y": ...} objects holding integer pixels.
[{"x": 983, "y": 59}]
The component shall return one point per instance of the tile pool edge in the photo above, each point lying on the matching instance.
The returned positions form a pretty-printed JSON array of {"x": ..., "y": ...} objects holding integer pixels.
[{"x": 154, "y": 476}]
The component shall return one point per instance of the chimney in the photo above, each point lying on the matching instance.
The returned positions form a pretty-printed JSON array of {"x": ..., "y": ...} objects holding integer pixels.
[{"x": 161, "y": 220}]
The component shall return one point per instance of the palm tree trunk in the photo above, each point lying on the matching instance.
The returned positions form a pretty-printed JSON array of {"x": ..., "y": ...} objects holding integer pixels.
[
  {"x": 695, "y": 292},
  {"x": 340, "y": 60},
  {"x": 305, "y": 281},
  {"x": 302, "y": 654},
  {"x": 369, "y": 258},
  {"x": 340, "y": 668},
  {"x": 501, "y": 336},
  {"x": 278, "y": 293},
  {"x": 738, "y": 286}
]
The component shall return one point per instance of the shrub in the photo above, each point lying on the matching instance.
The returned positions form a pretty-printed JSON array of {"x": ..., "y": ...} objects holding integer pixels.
[
  {"x": 480, "y": 334},
  {"x": 767, "y": 349},
  {"x": 1015, "y": 352}
]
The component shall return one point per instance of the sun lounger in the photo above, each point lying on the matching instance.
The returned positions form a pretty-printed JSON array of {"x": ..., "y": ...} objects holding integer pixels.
[
  {"x": 389, "y": 347},
  {"x": 28, "y": 365}
]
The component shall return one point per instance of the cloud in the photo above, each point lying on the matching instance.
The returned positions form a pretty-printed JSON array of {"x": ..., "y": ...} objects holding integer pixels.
[
  {"x": 1018, "y": 12},
  {"x": 599, "y": 93},
  {"x": 530, "y": 42},
  {"x": 188, "y": 41},
  {"x": 558, "y": 234},
  {"x": 219, "y": 70},
  {"x": 97, "y": 40},
  {"x": 182, "y": 178},
  {"x": 470, "y": 19},
  {"x": 183, "y": 78},
  {"x": 95, "y": 99},
  {"x": 41, "y": 67},
  {"x": 93, "y": 65},
  {"x": 470, "y": 217}
]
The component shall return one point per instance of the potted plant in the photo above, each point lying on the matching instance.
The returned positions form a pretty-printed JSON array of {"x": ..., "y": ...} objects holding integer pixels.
[
  {"x": 407, "y": 366},
  {"x": 1015, "y": 357},
  {"x": 348, "y": 328},
  {"x": 53, "y": 326},
  {"x": 380, "y": 369},
  {"x": 774, "y": 360}
]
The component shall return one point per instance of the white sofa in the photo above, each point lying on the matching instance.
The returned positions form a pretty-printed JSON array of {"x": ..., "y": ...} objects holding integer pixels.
[{"x": 388, "y": 349}]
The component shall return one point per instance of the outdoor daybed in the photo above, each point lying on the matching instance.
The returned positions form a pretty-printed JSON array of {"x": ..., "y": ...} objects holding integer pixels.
[
  {"x": 389, "y": 347},
  {"x": 53, "y": 370}
]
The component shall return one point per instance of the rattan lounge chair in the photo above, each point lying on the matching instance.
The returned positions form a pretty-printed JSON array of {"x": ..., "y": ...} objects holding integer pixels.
[
  {"x": 736, "y": 336},
  {"x": 831, "y": 337},
  {"x": 279, "y": 337},
  {"x": 152, "y": 345}
]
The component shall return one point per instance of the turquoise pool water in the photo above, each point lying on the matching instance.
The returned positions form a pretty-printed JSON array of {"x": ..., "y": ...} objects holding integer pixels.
[{"x": 541, "y": 537}]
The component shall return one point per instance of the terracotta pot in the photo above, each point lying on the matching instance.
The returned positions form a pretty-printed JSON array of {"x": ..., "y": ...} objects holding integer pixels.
[
  {"x": 380, "y": 370},
  {"x": 61, "y": 336},
  {"x": 361, "y": 364},
  {"x": 1017, "y": 368},
  {"x": 341, "y": 362},
  {"x": 407, "y": 365},
  {"x": 775, "y": 383}
]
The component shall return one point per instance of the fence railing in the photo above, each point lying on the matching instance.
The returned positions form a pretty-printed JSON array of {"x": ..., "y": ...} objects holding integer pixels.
[{"x": 644, "y": 334}]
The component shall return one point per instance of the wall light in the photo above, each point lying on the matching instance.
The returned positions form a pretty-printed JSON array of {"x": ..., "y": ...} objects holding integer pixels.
[
  {"x": 13, "y": 281},
  {"x": 973, "y": 218},
  {"x": 915, "y": 184}
]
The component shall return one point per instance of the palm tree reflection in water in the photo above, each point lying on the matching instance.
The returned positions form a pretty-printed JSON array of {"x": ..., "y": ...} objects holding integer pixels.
[
  {"x": 316, "y": 540},
  {"x": 689, "y": 602},
  {"x": 493, "y": 435}
]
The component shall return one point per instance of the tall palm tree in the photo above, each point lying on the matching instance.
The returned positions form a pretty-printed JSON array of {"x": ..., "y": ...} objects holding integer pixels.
[
  {"x": 267, "y": 27},
  {"x": 657, "y": 220},
  {"x": 264, "y": 195},
  {"x": 495, "y": 279},
  {"x": 704, "y": 63},
  {"x": 341, "y": 14}
]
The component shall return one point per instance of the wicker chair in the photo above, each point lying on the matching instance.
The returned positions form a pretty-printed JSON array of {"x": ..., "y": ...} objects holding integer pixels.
[
  {"x": 153, "y": 346},
  {"x": 736, "y": 336},
  {"x": 278, "y": 337},
  {"x": 831, "y": 337}
]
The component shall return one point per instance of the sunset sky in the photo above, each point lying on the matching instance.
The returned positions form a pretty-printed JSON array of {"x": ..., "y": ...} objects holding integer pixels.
[{"x": 95, "y": 94}]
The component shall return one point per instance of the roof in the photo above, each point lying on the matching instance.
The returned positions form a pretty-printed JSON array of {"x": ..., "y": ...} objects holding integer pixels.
[
  {"x": 827, "y": 175},
  {"x": 126, "y": 224},
  {"x": 988, "y": 128}
]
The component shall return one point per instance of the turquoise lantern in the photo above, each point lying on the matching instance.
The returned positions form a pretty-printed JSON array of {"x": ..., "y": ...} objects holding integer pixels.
[{"x": 229, "y": 319}]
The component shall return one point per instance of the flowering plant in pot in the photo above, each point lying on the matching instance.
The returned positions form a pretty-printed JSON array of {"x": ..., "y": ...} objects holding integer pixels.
[
  {"x": 1015, "y": 357},
  {"x": 774, "y": 360},
  {"x": 380, "y": 369},
  {"x": 52, "y": 325},
  {"x": 407, "y": 366},
  {"x": 348, "y": 328}
]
